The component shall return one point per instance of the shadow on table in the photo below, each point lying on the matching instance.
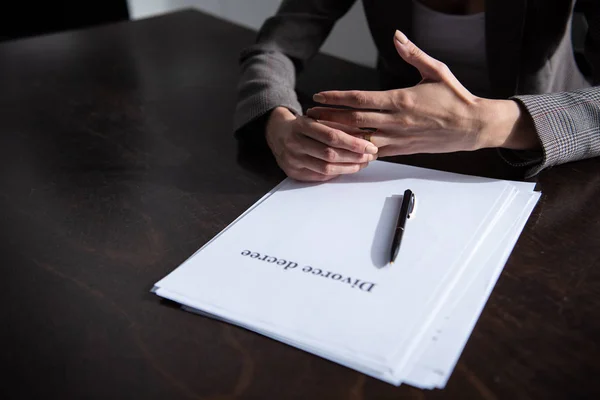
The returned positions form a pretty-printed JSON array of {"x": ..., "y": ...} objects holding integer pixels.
[{"x": 258, "y": 159}]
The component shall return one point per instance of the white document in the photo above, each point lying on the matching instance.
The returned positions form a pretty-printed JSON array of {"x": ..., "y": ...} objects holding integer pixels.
[
  {"x": 308, "y": 265},
  {"x": 447, "y": 337}
]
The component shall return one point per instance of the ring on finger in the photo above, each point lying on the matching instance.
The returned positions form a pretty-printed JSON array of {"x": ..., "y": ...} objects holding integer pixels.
[{"x": 370, "y": 132}]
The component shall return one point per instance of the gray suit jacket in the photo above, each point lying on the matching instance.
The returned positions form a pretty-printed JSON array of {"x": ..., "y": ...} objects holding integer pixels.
[{"x": 530, "y": 59}]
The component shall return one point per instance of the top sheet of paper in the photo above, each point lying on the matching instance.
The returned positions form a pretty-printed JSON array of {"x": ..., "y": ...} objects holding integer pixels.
[{"x": 310, "y": 261}]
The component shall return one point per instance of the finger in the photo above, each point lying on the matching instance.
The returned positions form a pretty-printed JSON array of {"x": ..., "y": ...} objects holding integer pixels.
[
  {"x": 379, "y": 139},
  {"x": 362, "y": 133},
  {"x": 307, "y": 175},
  {"x": 351, "y": 130},
  {"x": 396, "y": 150},
  {"x": 415, "y": 146},
  {"x": 291, "y": 162},
  {"x": 372, "y": 100},
  {"x": 331, "y": 154},
  {"x": 429, "y": 67},
  {"x": 334, "y": 137},
  {"x": 327, "y": 168},
  {"x": 294, "y": 169},
  {"x": 360, "y": 119}
]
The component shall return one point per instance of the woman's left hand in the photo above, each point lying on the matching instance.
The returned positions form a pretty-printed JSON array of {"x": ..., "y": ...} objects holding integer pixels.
[{"x": 438, "y": 115}]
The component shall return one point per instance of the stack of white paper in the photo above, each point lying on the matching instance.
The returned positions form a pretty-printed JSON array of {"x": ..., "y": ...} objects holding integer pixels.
[{"x": 308, "y": 265}]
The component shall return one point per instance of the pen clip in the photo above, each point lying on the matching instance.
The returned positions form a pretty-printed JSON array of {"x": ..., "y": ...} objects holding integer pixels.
[{"x": 411, "y": 204}]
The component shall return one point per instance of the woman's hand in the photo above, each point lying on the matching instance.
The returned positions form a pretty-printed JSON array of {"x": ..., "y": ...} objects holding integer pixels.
[
  {"x": 308, "y": 150},
  {"x": 438, "y": 115}
]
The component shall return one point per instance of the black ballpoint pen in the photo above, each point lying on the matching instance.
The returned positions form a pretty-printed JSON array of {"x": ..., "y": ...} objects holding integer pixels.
[{"x": 408, "y": 205}]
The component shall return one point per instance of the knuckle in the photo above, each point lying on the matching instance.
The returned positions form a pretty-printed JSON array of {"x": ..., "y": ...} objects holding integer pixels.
[
  {"x": 402, "y": 100},
  {"x": 328, "y": 169},
  {"x": 293, "y": 162},
  {"x": 357, "y": 146},
  {"x": 358, "y": 98},
  {"x": 357, "y": 118},
  {"x": 442, "y": 68},
  {"x": 330, "y": 154},
  {"x": 331, "y": 137},
  {"x": 414, "y": 51},
  {"x": 409, "y": 101}
]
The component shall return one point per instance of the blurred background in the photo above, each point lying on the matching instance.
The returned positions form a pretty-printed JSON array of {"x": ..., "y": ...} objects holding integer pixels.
[{"x": 350, "y": 39}]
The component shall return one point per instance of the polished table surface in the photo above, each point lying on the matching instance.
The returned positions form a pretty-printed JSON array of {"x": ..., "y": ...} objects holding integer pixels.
[{"x": 117, "y": 162}]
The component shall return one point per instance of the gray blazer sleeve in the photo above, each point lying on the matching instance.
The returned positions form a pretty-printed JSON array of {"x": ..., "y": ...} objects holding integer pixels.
[
  {"x": 568, "y": 123},
  {"x": 285, "y": 43}
]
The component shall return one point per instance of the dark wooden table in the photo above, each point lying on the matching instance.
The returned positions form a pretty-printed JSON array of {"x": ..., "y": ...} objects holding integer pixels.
[{"x": 118, "y": 162}]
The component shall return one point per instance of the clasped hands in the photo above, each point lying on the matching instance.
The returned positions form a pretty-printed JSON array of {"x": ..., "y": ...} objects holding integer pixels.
[{"x": 438, "y": 115}]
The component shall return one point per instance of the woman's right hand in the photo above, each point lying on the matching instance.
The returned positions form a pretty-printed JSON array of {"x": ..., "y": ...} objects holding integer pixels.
[{"x": 308, "y": 150}]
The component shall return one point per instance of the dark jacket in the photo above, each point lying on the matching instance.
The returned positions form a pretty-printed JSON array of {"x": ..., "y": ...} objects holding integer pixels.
[{"x": 529, "y": 53}]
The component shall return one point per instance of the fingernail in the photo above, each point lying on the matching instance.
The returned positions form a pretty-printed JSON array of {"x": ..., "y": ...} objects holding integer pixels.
[
  {"x": 319, "y": 98},
  {"x": 401, "y": 37},
  {"x": 371, "y": 149},
  {"x": 371, "y": 157}
]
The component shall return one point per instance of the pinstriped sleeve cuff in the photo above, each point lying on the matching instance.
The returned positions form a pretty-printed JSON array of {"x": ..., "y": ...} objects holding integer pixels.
[
  {"x": 523, "y": 158},
  {"x": 544, "y": 120},
  {"x": 567, "y": 124}
]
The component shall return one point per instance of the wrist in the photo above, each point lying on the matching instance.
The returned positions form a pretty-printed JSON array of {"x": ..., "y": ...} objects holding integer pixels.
[
  {"x": 506, "y": 124},
  {"x": 278, "y": 117}
]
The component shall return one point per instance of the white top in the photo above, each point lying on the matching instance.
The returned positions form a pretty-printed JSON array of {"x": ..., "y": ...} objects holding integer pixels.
[{"x": 456, "y": 40}]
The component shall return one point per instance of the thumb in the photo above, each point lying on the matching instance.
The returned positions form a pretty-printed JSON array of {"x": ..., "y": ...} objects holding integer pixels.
[{"x": 429, "y": 67}]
